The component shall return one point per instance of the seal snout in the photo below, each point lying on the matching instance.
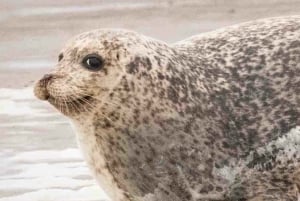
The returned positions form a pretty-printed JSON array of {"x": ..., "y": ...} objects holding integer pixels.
[{"x": 40, "y": 89}]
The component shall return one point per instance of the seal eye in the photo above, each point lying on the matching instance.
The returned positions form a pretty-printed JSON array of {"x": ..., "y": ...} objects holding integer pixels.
[{"x": 93, "y": 62}]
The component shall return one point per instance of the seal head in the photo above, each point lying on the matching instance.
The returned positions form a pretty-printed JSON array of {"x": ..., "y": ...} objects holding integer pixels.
[{"x": 89, "y": 67}]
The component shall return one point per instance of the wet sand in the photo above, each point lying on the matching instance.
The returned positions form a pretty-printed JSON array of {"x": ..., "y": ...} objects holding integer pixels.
[{"x": 38, "y": 151}]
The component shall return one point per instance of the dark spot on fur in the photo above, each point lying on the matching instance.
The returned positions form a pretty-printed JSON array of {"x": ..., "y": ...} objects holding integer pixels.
[
  {"x": 172, "y": 94},
  {"x": 133, "y": 66}
]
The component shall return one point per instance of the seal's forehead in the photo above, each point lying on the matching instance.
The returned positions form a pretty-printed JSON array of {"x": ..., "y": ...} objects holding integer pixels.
[
  {"x": 85, "y": 40},
  {"x": 102, "y": 39},
  {"x": 105, "y": 36}
]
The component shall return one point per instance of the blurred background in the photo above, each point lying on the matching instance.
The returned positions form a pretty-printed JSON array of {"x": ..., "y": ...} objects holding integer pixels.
[{"x": 38, "y": 152}]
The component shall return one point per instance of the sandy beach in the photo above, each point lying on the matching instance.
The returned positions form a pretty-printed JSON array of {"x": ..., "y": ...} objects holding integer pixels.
[{"x": 39, "y": 157}]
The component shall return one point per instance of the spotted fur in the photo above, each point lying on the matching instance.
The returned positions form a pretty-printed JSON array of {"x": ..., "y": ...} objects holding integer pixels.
[{"x": 213, "y": 117}]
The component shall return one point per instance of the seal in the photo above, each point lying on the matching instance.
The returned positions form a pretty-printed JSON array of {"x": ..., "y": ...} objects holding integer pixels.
[{"x": 212, "y": 117}]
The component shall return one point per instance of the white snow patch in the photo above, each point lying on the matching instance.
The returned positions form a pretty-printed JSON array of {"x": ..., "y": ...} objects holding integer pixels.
[
  {"x": 17, "y": 94},
  {"x": 31, "y": 123},
  {"x": 48, "y": 155},
  {"x": 92, "y": 193},
  {"x": 47, "y": 175},
  {"x": 19, "y": 102},
  {"x": 10, "y": 107},
  {"x": 44, "y": 183}
]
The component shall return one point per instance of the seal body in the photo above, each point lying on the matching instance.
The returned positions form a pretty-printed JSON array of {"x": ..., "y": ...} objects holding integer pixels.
[{"x": 213, "y": 117}]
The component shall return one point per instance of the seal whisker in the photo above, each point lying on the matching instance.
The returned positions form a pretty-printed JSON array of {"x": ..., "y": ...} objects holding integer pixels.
[
  {"x": 106, "y": 117},
  {"x": 73, "y": 107},
  {"x": 74, "y": 103},
  {"x": 88, "y": 106},
  {"x": 66, "y": 105},
  {"x": 88, "y": 103}
]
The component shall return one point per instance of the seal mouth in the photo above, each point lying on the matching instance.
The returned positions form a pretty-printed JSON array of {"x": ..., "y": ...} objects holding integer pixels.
[{"x": 72, "y": 105}]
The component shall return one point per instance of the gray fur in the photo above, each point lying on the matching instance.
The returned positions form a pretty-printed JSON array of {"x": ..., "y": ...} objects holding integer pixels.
[{"x": 213, "y": 117}]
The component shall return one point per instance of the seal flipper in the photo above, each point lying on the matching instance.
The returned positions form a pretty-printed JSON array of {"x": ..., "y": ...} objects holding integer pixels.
[
  {"x": 174, "y": 189},
  {"x": 282, "y": 183},
  {"x": 272, "y": 172},
  {"x": 160, "y": 194}
]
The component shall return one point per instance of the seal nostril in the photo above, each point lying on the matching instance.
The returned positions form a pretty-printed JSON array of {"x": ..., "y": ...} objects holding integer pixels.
[
  {"x": 47, "y": 77},
  {"x": 47, "y": 96},
  {"x": 45, "y": 80}
]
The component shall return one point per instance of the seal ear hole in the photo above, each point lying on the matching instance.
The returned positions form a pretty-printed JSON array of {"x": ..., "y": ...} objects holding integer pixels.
[
  {"x": 60, "y": 56},
  {"x": 93, "y": 62},
  {"x": 118, "y": 56}
]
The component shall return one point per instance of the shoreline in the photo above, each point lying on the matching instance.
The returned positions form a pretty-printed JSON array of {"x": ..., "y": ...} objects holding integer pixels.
[{"x": 20, "y": 78}]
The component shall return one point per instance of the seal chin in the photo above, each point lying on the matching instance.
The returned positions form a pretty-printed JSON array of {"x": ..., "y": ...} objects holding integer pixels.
[{"x": 72, "y": 106}]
